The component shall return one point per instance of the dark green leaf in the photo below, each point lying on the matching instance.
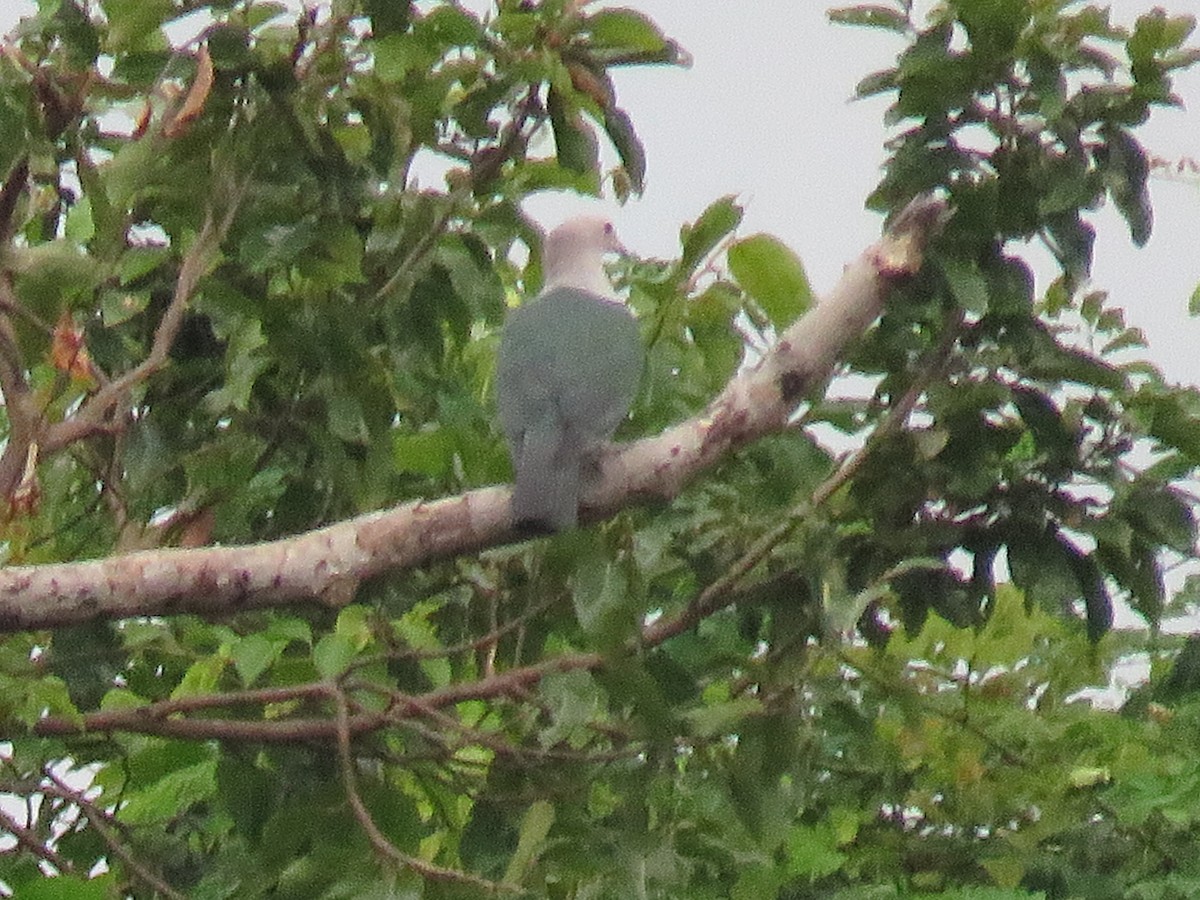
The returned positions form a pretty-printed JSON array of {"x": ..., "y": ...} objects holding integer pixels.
[
  {"x": 629, "y": 147},
  {"x": 876, "y": 83},
  {"x": 1126, "y": 171},
  {"x": 388, "y": 16},
  {"x": 967, "y": 284},
  {"x": 574, "y": 141}
]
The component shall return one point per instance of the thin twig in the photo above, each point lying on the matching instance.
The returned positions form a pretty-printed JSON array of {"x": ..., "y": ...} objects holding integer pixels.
[
  {"x": 514, "y": 139},
  {"x": 29, "y": 839},
  {"x": 95, "y": 410},
  {"x": 475, "y": 644},
  {"x": 378, "y": 839},
  {"x": 102, "y": 822},
  {"x": 956, "y": 717}
]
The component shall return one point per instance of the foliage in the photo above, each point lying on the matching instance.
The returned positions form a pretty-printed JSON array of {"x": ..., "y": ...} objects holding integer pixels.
[{"x": 241, "y": 319}]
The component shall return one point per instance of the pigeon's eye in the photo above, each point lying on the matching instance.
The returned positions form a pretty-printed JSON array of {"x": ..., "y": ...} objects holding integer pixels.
[{"x": 608, "y": 227}]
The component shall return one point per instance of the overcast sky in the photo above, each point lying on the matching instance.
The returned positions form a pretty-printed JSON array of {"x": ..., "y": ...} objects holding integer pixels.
[{"x": 765, "y": 113}]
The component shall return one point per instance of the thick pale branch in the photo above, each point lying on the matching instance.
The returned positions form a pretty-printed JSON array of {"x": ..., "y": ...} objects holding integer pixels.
[{"x": 327, "y": 564}]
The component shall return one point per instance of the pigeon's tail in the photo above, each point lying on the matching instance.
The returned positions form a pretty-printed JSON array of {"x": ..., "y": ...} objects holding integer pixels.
[{"x": 546, "y": 496}]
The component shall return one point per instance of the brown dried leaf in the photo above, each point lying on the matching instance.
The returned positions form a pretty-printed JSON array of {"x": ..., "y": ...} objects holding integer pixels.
[
  {"x": 197, "y": 95},
  {"x": 142, "y": 123},
  {"x": 593, "y": 84},
  {"x": 68, "y": 349},
  {"x": 28, "y": 492}
]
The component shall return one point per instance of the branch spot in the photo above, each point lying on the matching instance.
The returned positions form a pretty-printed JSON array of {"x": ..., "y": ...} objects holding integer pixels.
[{"x": 792, "y": 386}]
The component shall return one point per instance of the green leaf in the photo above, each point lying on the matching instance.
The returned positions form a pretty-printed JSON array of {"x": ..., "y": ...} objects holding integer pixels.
[
  {"x": 619, "y": 128},
  {"x": 244, "y": 363},
  {"x": 624, "y": 29},
  {"x": 80, "y": 227},
  {"x": 473, "y": 275},
  {"x": 388, "y": 16},
  {"x": 870, "y": 16},
  {"x": 605, "y": 604},
  {"x": 70, "y": 887},
  {"x": 347, "y": 420},
  {"x": 876, "y": 83},
  {"x": 1156, "y": 32},
  {"x": 773, "y": 275},
  {"x": 812, "y": 851},
  {"x": 1044, "y": 567},
  {"x": 701, "y": 237},
  {"x": 426, "y": 452},
  {"x": 253, "y": 655},
  {"x": 1160, "y": 514},
  {"x": 201, "y": 678},
  {"x": 716, "y": 719},
  {"x": 78, "y": 33},
  {"x": 1169, "y": 418},
  {"x": 449, "y": 26},
  {"x": 535, "y": 828},
  {"x": 127, "y": 173},
  {"x": 134, "y": 23},
  {"x": 1136, "y": 570},
  {"x": 139, "y": 261},
  {"x": 1126, "y": 172},
  {"x": 28, "y": 701},
  {"x": 1048, "y": 359},
  {"x": 1098, "y": 605},
  {"x": 398, "y": 55},
  {"x": 170, "y": 796},
  {"x": 279, "y": 245},
  {"x": 337, "y": 259},
  {"x": 574, "y": 700},
  {"x": 53, "y": 273},
  {"x": 967, "y": 284},
  {"x": 355, "y": 622},
  {"x": 574, "y": 141},
  {"x": 993, "y": 28},
  {"x": 333, "y": 654},
  {"x": 517, "y": 26}
]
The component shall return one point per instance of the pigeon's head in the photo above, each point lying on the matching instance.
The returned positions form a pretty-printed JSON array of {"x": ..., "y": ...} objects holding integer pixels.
[{"x": 573, "y": 254}]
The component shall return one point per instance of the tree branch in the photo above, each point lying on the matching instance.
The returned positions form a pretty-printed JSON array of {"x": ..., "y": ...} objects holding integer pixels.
[
  {"x": 385, "y": 848},
  {"x": 24, "y": 417},
  {"x": 29, "y": 839},
  {"x": 327, "y": 564}
]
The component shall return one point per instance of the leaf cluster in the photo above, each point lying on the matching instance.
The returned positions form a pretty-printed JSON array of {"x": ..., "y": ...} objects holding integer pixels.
[{"x": 230, "y": 312}]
